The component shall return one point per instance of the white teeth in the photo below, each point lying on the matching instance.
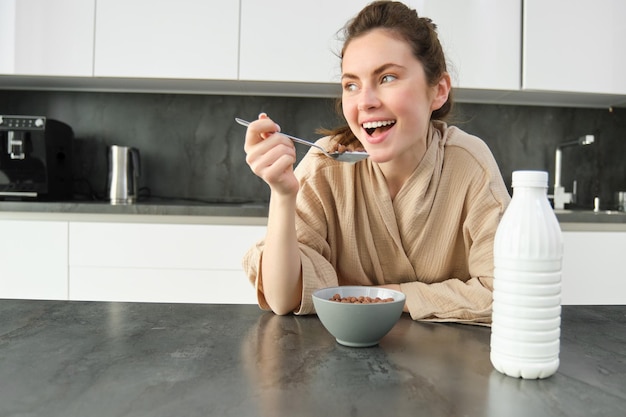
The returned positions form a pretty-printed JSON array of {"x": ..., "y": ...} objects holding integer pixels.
[{"x": 374, "y": 125}]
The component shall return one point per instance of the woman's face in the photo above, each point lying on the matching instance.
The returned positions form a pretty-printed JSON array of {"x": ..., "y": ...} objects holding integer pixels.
[{"x": 386, "y": 99}]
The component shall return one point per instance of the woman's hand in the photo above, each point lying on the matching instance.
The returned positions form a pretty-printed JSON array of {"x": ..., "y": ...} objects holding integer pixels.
[
  {"x": 271, "y": 156},
  {"x": 395, "y": 287}
]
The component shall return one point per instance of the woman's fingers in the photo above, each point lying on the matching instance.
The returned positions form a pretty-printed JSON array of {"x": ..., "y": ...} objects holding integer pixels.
[{"x": 270, "y": 155}]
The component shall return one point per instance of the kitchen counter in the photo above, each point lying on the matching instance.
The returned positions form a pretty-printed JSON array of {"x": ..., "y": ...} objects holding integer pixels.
[
  {"x": 154, "y": 207},
  {"x": 590, "y": 216},
  {"x": 182, "y": 211},
  {"x": 130, "y": 359}
]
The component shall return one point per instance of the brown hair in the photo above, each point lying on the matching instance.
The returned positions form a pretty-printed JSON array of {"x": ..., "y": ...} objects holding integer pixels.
[{"x": 419, "y": 32}]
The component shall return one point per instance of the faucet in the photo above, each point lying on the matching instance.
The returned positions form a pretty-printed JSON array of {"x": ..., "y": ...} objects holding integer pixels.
[{"x": 560, "y": 196}]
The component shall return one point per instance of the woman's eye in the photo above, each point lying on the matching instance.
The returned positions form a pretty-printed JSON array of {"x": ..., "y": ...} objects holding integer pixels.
[
  {"x": 388, "y": 78},
  {"x": 350, "y": 87}
]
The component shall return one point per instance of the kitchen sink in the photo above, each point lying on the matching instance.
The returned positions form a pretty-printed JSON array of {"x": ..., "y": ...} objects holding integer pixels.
[{"x": 590, "y": 216}]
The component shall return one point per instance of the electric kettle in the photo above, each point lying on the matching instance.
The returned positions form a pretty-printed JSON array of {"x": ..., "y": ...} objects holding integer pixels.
[{"x": 124, "y": 172}]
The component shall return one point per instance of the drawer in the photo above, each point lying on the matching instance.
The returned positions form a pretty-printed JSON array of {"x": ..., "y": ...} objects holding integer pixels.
[
  {"x": 146, "y": 245},
  {"x": 160, "y": 285}
]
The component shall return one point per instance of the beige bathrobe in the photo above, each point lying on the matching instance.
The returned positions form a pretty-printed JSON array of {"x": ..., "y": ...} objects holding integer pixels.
[{"x": 435, "y": 238}]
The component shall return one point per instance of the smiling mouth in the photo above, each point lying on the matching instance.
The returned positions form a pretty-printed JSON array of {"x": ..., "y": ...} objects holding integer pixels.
[{"x": 371, "y": 127}]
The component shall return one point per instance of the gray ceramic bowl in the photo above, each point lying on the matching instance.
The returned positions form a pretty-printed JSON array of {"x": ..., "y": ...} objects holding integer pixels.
[{"x": 358, "y": 325}]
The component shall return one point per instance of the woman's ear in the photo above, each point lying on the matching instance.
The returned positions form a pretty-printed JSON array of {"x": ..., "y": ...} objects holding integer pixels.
[{"x": 441, "y": 92}]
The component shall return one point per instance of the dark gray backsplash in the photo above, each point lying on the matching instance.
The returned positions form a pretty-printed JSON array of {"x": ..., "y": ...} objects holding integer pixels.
[{"x": 191, "y": 148}]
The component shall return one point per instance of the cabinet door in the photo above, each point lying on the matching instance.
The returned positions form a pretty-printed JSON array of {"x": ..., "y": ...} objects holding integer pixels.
[
  {"x": 481, "y": 40},
  {"x": 575, "y": 46},
  {"x": 47, "y": 37},
  {"x": 167, "y": 38},
  {"x": 593, "y": 268},
  {"x": 160, "y": 285},
  {"x": 33, "y": 260},
  {"x": 160, "y": 262},
  {"x": 283, "y": 40},
  {"x": 149, "y": 245}
]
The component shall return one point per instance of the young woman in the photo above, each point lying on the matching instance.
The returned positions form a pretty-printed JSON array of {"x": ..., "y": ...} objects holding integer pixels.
[{"x": 419, "y": 215}]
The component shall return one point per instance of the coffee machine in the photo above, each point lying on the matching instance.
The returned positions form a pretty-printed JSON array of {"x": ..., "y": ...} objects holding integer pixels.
[{"x": 35, "y": 158}]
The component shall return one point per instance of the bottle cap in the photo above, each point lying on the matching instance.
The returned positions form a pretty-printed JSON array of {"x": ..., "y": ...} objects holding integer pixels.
[{"x": 530, "y": 179}]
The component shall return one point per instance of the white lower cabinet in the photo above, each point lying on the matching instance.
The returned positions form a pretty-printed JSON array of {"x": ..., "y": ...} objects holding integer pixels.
[
  {"x": 160, "y": 262},
  {"x": 33, "y": 259},
  {"x": 188, "y": 263},
  {"x": 593, "y": 268},
  {"x": 160, "y": 285}
]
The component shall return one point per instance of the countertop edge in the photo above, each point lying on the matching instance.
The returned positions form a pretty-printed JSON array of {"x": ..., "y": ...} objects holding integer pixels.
[
  {"x": 230, "y": 220},
  {"x": 592, "y": 227},
  {"x": 235, "y": 214},
  {"x": 135, "y": 218}
]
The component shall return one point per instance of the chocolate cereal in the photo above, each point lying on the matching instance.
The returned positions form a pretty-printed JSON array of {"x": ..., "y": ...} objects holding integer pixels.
[{"x": 360, "y": 300}]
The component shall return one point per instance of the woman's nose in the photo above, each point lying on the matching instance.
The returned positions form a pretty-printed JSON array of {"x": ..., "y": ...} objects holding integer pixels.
[{"x": 367, "y": 99}]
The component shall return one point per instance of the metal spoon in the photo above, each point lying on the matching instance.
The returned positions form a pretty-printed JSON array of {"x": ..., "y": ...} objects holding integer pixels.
[{"x": 348, "y": 156}]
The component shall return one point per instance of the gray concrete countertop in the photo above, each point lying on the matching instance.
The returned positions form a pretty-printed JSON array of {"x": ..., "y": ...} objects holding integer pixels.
[
  {"x": 152, "y": 212},
  {"x": 183, "y": 211},
  {"x": 156, "y": 207},
  {"x": 590, "y": 216},
  {"x": 60, "y": 358}
]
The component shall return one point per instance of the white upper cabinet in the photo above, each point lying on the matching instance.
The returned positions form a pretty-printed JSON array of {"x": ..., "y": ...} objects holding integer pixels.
[
  {"x": 167, "y": 39},
  {"x": 47, "y": 37},
  {"x": 481, "y": 40},
  {"x": 546, "y": 52},
  {"x": 576, "y": 45},
  {"x": 285, "y": 40}
]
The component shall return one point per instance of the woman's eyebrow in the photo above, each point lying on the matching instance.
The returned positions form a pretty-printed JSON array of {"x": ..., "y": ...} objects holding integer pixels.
[{"x": 376, "y": 72}]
